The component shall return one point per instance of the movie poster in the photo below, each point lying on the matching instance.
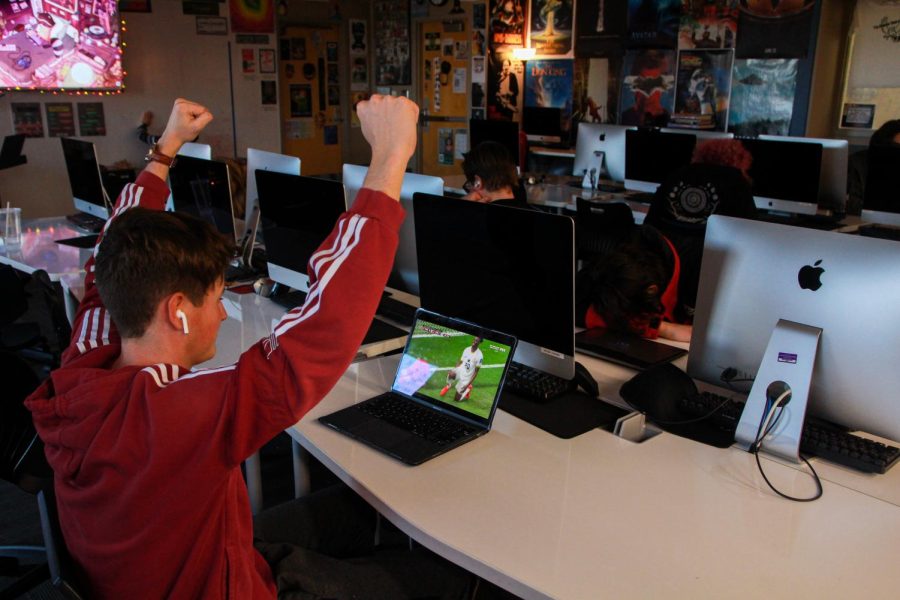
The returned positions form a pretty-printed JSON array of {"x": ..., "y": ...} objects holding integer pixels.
[
  {"x": 774, "y": 29},
  {"x": 548, "y": 84},
  {"x": 648, "y": 88},
  {"x": 762, "y": 96},
  {"x": 252, "y": 16},
  {"x": 702, "y": 86},
  {"x": 590, "y": 90},
  {"x": 653, "y": 23},
  {"x": 550, "y": 28},
  {"x": 708, "y": 24},
  {"x": 507, "y": 23},
  {"x": 505, "y": 86}
]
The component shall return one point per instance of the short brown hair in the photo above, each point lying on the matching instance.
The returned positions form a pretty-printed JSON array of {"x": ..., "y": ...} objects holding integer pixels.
[
  {"x": 492, "y": 162},
  {"x": 145, "y": 255}
]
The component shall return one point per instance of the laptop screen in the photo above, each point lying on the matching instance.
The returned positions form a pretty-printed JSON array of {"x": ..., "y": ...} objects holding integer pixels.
[{"x": 455, "y": 366}]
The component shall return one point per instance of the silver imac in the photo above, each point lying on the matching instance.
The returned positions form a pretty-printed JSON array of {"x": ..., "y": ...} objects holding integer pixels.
[
  {"x": 405, "y": 274},
  {"x": 594, "y": 138},
  {"x": 266, "y": 161},
  {"x": 83, "y": 169},
  {"x": 833, "y": 171},
  {"x": 785, "y": 175},
  {"x": 195, "y": 150},
  {"x": 755, "y": 273},
  {"x": 881, "y": 200}
]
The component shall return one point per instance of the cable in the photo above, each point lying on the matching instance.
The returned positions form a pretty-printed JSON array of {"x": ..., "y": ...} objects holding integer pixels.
[{"x": 762, "y": 431}]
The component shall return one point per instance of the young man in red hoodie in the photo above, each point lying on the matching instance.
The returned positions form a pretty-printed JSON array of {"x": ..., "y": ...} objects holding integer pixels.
[{"x": 146, "y": 453}]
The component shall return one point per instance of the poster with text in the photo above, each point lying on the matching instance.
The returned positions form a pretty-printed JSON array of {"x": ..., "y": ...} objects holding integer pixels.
[
  {"x": 548, "y": 84},
  {"x": 252, "y": 16},
  {"x": 647, "y": 93},
  {"x": 507, "y": 23},
  {"x": 590, "y": 90},
  {"x": 653, "y": 23},
  {"x": 708, "y": 24},
  {"x": 774, "y": 29},
  {"x": 702, "y": 89},
  {"x": 550, "y": 28},
  {"x": 504, "y": 90},
  {"x": 762, "y": 96},
  {"x": 27, "y": 119},
  {"x": 60, "y": 119},
  {"x": 91, "y": 120}
]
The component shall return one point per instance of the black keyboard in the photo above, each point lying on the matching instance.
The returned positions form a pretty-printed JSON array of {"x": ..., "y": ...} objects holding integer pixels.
[
  {"x": 290, "y": 300},
  {"x": 395, "y": 310},
  {"x": 86, "y": 222},
  {"x": 820, "y": 438},
  {"x": 423, "y": 422},
  {"x": 535, "y": 384},
  {"x": 820, "y": 222}
]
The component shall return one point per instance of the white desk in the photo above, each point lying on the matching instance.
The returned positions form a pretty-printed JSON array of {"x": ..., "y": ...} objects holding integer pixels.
[
  {"x": 40, "y": 251},
  {"x": 600, "y": 517}
]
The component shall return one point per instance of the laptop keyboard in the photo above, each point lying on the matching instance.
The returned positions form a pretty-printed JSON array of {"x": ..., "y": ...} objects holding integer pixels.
[{"x": 420, "y": 421}]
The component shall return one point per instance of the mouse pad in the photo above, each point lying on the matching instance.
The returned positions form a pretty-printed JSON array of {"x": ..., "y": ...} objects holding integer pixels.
[{"x": 566, "y": 416}]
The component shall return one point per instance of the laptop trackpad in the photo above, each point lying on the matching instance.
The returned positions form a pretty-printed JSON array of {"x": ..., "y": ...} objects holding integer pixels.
[{"x": 380, "y": 433}]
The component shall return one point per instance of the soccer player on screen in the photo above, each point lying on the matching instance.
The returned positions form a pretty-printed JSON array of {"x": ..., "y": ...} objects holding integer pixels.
[{"x": 465, "y": 371}]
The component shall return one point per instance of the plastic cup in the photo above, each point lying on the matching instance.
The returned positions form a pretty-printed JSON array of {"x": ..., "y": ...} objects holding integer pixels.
[{"x": 10, "y": 228}]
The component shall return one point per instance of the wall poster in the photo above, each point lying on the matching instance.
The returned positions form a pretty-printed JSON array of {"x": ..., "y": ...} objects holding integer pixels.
[
  {"x": 647, "y": 93},
  {"x": 708, "y": 24},
  {"x": 27, "y": 119},
  {"x": 550, "y": 28},
  {"x": 548, "y": 84},
  {"x": 702, "y": 89},
  {"x": 762, "y": 96},
  {"x": 252, "y": 16},
  {"x": 393, "y": 63},
  {"x": 60, "y": 119},
  {"x": 91, "y": 119},
  {"x": 653, "y": 23},
  {"x": 775, "y": 29},
  {"x": 301, "y": 100}
]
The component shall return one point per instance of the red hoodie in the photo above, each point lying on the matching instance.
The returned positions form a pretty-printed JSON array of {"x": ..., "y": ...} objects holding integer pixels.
[{"x": 147, "y": 459}]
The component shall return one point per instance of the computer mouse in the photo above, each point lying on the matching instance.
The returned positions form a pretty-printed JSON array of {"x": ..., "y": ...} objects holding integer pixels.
[{"x": 658, "y": 391}]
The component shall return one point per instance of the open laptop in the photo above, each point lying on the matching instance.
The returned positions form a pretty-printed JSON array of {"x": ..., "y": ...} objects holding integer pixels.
[{"x": 435, "y": 404}]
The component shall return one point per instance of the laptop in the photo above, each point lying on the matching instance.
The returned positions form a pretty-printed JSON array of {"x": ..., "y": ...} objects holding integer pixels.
[
  {"x": 445, "y": 391},
  {"x": 625, "y": 348}
]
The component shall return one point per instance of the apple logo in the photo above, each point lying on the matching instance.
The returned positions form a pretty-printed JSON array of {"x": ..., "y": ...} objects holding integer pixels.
[{"x": 809, "y": 276}]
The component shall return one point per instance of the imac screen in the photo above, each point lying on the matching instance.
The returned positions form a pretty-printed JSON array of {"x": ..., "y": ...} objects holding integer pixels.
[
  {"x": 296, "y": 215},
  {"x": 785, "y": 175},
  {"x": 650, "y": 156},
  {"x": 504, "y": 268},
  {"x": 202, "y": 188},
  {"x": 84, "y": 176}
]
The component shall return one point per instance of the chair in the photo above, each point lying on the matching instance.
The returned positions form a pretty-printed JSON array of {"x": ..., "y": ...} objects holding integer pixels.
[
  {"x": 599, "y": 226},
  {"x": 22, "y": 462}
]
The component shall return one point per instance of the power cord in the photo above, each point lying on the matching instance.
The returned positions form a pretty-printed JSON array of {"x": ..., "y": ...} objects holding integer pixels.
[{"x": 766, "y": 425}]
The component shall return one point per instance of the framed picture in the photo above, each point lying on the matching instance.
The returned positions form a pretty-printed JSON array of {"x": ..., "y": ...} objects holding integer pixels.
[
  {"x": 266, "y": 60},
  {"x": 140, "y": 6},
  {"x": 301, "y": 100}
]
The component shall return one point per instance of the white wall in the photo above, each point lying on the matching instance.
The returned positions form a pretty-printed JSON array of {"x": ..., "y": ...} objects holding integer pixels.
[{"x": 164, "y": 59}]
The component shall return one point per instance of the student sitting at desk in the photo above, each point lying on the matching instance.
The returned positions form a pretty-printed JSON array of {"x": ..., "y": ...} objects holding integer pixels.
[
  {"x": 491, "y": 176},
  {"x": 716, "y": 182},
  {"x": 147, "y": 454},
  {"x": 634, "y": 287}
]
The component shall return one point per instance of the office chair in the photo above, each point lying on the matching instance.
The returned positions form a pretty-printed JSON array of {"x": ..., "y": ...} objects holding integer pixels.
[
  {"x": 23, "y": 463},
  {"x": 599, "y": 226}
]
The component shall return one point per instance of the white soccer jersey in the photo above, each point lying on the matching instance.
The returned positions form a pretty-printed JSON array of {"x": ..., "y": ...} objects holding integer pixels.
[{"x": 470, "y": 361}]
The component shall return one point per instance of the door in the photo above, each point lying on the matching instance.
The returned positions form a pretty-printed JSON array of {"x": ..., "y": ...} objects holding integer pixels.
[
  {"x": 444, "y": 51},
  {"x": 310, "y": 91}
]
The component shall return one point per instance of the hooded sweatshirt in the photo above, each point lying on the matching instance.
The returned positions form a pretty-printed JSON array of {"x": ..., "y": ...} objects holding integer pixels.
[{"x": 146, "y": 459}]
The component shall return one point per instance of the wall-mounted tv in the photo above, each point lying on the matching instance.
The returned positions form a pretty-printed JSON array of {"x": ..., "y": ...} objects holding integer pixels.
[{"x": 60, "y": 45}]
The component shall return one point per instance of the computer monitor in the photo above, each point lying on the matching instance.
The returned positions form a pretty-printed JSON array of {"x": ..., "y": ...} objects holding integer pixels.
[
  {"x": 755, "y": 273},
  {"x": 405, "y": 273},
  {"x": 195, "y": 150},
  {"x": 608, "y": 139},
  {"x": 543, "y": 124},
  {"x": 652, "y": 155},
  {"x": 265, "y": 161},
  {"x": 83, "y": 169},
  {"x": 505, "y": 133},
  {"x": 496, "y": 266},
  {"x": 203, "y": 188},
  {"x": 832, "y": 171},
  {"x": 785, "y": 175},
  {"x": 700, "y": 134},
  {"x": 297, "y": 215},
  {"x": 881, "y": 199}
]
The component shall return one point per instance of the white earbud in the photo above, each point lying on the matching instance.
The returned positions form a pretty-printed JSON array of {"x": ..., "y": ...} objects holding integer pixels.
[{"x": 184, "y": 325}]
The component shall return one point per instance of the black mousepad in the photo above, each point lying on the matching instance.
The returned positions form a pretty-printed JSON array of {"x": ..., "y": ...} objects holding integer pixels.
[{"x": 566, "y": 416}]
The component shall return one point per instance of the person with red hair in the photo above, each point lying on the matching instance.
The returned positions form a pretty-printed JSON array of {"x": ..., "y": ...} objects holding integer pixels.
[{"x": 716, "y": 182}]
